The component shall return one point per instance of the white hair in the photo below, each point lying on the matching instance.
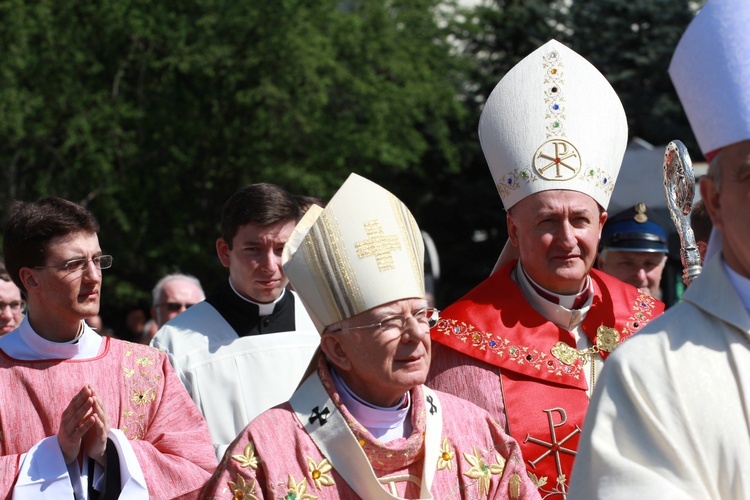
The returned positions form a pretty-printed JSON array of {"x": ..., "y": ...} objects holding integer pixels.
[{"x": 159, "y": 287}]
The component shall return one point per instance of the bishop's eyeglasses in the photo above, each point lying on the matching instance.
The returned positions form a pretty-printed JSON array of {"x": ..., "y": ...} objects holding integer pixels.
[
  {"x": 100, "y": 261},
  {"x": 428, "y": 316}
]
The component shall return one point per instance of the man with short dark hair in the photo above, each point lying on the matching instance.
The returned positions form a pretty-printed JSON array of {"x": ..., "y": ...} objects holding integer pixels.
[
  {"x": 85, "y": 416},
  {"x": 245, "y": 347}
]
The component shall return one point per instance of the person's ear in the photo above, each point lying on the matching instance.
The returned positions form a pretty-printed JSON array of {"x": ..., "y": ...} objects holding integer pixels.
[
  {"x": 335, "y": 352},
  {"x": 28, "y": 278},
  {"x": 222, "y": 250},
  {"x": 512, "y": 232},
  {"x": 602, "y": 219},
  {"x": 712, "y": 200}
]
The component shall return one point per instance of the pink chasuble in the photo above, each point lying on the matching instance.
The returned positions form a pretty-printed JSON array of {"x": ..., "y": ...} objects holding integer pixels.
[
  {"x": 274, "y": 456},
  {"x": 142, "y": 397}
]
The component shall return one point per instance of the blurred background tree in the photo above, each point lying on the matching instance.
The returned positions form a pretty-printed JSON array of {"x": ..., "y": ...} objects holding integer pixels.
[{"x": 153, "y": 113}]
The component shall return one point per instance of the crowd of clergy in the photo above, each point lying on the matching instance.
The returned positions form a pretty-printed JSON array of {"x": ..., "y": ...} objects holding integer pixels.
[{"x": 320, "y": 370}]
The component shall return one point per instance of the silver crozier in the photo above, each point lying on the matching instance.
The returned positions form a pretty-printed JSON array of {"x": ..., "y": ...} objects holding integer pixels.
[{"x": 679, "y": 188}]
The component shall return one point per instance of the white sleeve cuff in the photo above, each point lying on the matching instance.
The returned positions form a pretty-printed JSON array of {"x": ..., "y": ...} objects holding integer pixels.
[
  {"x": 43, "y": 473},
  {"x": 131, "y": 475}
]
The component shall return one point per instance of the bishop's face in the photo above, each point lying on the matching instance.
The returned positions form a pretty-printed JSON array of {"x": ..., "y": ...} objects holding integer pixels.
[
  {"x": 557, "y": 233},
  {"x": 381, "y": 364},
  {"x": 728, "y": 202}
]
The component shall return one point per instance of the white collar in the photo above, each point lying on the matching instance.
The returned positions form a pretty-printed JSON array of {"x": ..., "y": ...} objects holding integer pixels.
[
  {"x": 740, "y": 283},
  {"x": 563, "y": 317},
  {"x": 385, "y": 424},
  {"x": 25, "y": 344},
  {"x": 263, "y": 309}
]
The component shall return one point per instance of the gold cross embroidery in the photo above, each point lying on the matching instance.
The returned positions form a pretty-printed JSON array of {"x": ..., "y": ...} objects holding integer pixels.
[{"x": 379, "y": 245}]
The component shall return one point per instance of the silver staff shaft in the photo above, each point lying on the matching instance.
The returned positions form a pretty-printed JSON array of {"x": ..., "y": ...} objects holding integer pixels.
[{"x": 679, "y": 188}]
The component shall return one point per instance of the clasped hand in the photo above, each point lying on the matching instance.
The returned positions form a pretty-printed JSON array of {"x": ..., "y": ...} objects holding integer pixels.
[{"x": 84, "y": 423}]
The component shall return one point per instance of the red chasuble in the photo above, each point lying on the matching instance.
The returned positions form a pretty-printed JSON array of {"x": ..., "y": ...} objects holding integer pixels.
[{"x": 513, "y": 373}]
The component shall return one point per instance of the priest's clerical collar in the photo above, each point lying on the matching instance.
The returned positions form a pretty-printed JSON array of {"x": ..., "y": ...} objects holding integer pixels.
[
  {"x": 385, "y": 424},
  {"x": 572, "y": 302},
  {"x": 263, "y": 309},
  {"x": 25, "y": 344}
]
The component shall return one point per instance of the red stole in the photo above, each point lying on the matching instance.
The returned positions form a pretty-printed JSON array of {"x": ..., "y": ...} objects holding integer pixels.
[{"x": 545, "y": 400}]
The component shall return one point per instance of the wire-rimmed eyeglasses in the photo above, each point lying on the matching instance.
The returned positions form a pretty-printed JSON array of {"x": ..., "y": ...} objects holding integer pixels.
[
  {"x": 428, "y": 316},
  {"x": 100, "y": 261}
]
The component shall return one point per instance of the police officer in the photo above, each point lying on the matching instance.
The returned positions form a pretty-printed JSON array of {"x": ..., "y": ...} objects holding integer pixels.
[{"x": 634, "y": 249}]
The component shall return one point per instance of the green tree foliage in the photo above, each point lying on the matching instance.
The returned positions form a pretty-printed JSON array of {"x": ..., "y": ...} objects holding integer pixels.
[
  {"x": 466, "y": 218},
  {"x": 631, "y": 42},
  {"x": 153, "y": 113}
]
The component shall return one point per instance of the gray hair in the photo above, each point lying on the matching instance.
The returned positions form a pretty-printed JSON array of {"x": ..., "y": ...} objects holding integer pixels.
[{"x": 159, "y": 287}]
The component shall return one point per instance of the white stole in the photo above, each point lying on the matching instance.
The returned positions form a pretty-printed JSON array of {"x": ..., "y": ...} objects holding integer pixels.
[{"x": 326, "y": 426}]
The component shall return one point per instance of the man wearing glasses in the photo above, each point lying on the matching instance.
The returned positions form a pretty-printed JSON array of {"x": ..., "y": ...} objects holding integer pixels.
[
  {"x": 361, "y": 424},
  {"x": 85, "y": 416},
  {"x": 11, "y": 303},
  {"x": 174, "y": 294}
]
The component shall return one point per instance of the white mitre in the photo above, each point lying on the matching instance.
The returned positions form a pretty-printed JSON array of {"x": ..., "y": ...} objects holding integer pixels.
[
  {"x": 711, "y": 74},
  {"x": 553, "y": 122},
  {"x": 362, "y": 251}
]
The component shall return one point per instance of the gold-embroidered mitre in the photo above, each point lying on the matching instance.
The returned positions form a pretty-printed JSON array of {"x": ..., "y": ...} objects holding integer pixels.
[
  {"x": 553, "y": 122},
  {"x": 362, "y": 251}
]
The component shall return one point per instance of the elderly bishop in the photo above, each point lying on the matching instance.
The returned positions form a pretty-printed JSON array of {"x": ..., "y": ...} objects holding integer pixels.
[{"x": 362, "y": 425}]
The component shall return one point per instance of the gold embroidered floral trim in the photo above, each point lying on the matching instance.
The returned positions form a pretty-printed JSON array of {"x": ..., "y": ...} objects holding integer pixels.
[
  {"x": 298, "y": 491},
  {"x": 142, "y": 381},
  {"x": 248, "y": 458},
  {"x": 514, "y": 487},
  {"x": 521, "y": 355},
  {"x": 540, "y": 482},
  {"x": 380, "y": 454},
  {"x": 643, "y": 310},
  {"x": 320, "y": 472},
  {"x": 481, "y": 471},
  {"x": 607, "y": 340},
  {"x": 445, "y": 460},
  {"x": 242, "y": 490}
]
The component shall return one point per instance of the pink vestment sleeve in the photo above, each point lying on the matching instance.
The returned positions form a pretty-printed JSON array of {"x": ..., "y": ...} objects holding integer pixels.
[
  {"x": 175, "y": 453},
  {"x": 9, "y": 466}
]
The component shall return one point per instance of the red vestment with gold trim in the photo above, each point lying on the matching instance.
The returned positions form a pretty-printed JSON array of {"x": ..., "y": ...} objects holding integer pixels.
[{"x": 499, "y": 357}]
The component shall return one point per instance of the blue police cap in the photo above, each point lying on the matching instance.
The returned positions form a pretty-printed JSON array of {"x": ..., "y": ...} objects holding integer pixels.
[{"x": 631, "y": 231}]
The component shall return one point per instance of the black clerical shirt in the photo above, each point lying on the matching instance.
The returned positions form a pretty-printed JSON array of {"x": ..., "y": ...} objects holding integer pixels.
[{"x": 244, "y": 316}]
